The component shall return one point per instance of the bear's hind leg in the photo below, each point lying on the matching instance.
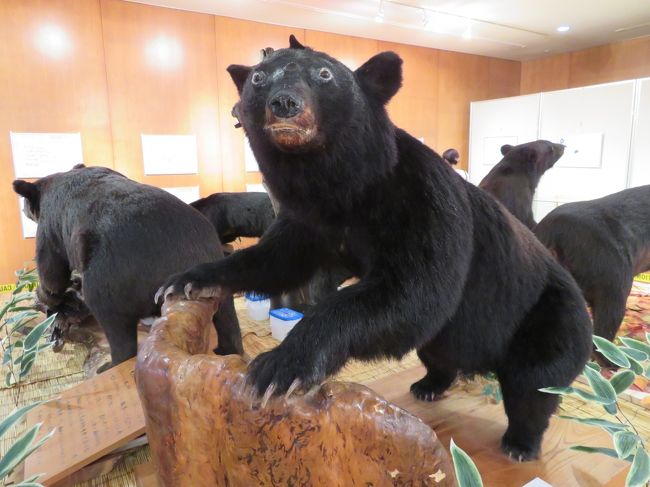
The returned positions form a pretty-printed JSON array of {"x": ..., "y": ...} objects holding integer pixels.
[
  {"x": 438, "y": 378},
  {"x": 228, "y": 331},
  {"x": 122, "y": 334}
]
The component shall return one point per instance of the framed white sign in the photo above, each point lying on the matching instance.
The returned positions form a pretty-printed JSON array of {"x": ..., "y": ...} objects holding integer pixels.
[
  {"x": 36, "y": 155},
  {"x": 252, "y": 188},
  {"x": 250, "y": 163},
  {"x": 187, "y": 194},
  {"x": 169, "y": 154}
]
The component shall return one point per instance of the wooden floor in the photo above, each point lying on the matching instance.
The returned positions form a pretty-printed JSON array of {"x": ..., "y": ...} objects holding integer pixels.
[{"x": 477, "y": 428}]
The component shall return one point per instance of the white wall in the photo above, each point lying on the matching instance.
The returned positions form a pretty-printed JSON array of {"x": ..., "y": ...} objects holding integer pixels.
[{"x": 596, "y": 124}]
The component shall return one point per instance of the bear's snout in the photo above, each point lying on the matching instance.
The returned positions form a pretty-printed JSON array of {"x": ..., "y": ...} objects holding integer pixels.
[{"x": 285, "y": 105}]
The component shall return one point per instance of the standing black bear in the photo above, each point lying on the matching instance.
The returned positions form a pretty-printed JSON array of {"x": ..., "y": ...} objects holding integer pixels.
[
  {"x": 443, "y": 267},
  {"x": 124, "y": 238},
  {"x": 514, "y": 179},
  {"x": 604, "y": 243}
]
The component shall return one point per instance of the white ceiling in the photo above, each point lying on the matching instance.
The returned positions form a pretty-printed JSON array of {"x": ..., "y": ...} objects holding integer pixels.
[{"x": 511, "y": 29}]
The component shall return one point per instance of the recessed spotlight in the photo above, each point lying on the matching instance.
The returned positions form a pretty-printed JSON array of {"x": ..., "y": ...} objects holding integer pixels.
[
  {"x": 53, "y": 41},
  {"x": 379, "y": 17},
  {"x": 563, "y": 28}
]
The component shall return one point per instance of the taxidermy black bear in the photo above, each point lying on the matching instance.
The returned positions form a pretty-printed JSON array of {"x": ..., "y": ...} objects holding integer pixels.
[
  {"x": 604, "y": 243},
  {"x": 514, "y": 179},
  {"x": 236, "y": 215},
  {"x": 443, "y": 268},
  {"x": 124, "y": 239}
]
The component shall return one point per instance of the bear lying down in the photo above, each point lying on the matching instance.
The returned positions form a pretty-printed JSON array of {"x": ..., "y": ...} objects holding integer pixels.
[{"x": 443, "y": 268}]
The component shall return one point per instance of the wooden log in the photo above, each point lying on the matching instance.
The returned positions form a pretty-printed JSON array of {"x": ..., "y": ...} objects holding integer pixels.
[{"x": 205, "y": 427}]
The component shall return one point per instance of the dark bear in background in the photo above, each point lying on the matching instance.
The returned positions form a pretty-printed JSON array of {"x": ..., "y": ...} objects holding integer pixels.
[
  {"x": 236, "y": 215},
  {"x": 443, "y": 267},
  {"x": 514, "y": 179},
  {"x": 124, "y": 239},
  {"x": 604, "y": 243}
]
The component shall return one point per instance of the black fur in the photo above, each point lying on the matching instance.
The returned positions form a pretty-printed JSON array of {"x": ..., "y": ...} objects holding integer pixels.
[
  {"x": 236, "y": 215},
  {"x": 514, "y": 179},
  {"x": 443, "y": 268},
  {"x": 124, "y": 238},
  {"x": 604, "y": 243}
]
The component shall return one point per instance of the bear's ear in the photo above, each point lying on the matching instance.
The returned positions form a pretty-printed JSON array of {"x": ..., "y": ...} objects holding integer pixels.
[
  {"x": 505, "y": 149},
  {"x": 266, "y": 52},
  {"x": 239, "y": 73},
  {"x": 27, "y": 190},
  {"x": 295, "y": 43},
  {"x": 79, "y": 166},
  {"x": 381, "y": 76}
]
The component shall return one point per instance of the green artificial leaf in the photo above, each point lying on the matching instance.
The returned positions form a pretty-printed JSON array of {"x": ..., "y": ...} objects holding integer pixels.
[
  {"x": 18, "y": 451},
  {"x": 593, "y": 365},
  {"x": 562, "y": 391},
  {"x": 592, "y": 449},
  {"x": 634, "y": 353},
  {"x": 610, "y": 408},
  {"x": 610, "y": 351},
  {"x": 601, "y": 386},
  {"x": 621, "y": 381},
  {"x": 27, "y": 364},
  {"x": 636, "y": 344},
  {"x": 639, "y": 473},
  {"x": 467, "y": 474},
  {"x": 35, "y": 335},
  {"x": 625, "y": 443},
  {"x": 635, "y": 366},
  {"x": 603, "y": 423},
  {"x": 15, "y": 416}
]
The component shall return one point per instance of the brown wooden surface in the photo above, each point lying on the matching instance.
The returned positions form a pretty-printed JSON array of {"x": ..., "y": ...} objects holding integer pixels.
[
  {"x": 145, "y": 475},
  {"x": 107, "y": 90},
  {"x": 150, "y": 98},
  {"x": 43, "y": 93},
  {"x": 91, "y": 420},
  {"x": 477, "y": 428},
  {"x": 602, "y": 64}
]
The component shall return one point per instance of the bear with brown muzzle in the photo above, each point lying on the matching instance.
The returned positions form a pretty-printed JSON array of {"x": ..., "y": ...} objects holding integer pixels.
[{"x": 442, "y": 267}]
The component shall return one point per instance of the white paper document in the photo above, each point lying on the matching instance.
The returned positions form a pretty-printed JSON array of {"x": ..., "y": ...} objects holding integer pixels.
[
  {"x": 29, "y": 226},
  {"x": 250, "y": 163},
  {"x": 36, "y": 155},
  {"x": 169, "y": 154}
]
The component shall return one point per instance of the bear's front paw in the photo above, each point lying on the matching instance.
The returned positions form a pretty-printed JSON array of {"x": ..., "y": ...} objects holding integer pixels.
[
  {"x": 281, "y": 370},
  {"x": 196, "y": 283},
  {"x": 520, "y": 450}
]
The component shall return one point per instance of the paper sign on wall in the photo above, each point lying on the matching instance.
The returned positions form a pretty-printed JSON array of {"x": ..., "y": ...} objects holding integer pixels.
[
  {"x": 252, "y": 188},
  {"x": 582, "y": 150},
  {"x": 492, "y": 148},
  {"x": 37, "y": 155},
  {"x": 29, "y": 226},
  {"x": 250, "y": 163},
  {"x": 187, "y": 194},
  {"x": 169, "y": 154}
]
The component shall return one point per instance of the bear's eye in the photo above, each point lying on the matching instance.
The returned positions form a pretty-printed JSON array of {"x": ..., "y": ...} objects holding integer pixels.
[
  {"x": 325, "y": 74},
  {"x": 258, "y": 78}
]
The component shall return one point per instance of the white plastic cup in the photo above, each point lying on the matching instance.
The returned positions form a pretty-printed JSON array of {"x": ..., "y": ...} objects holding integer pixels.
[
  {"x": 282, "y": 321},
  {"x": 258, "y": 306}
]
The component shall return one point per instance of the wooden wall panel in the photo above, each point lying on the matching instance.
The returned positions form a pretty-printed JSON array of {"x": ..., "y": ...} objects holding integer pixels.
[
  {"x": 48, "y": 91},
  {"x": 602, "y": 64},
  {"x": 504, "y": 78},
  {"x": 547, "y": 74},
  {"x": 240, "y": 42},
  {"x": 161, "y": 69},
  {"x": 612, "y": 62},
  {"x": 416, "y": 103},
  {"x": 351, "y": 51},
  {"x": 462, "y": 78}
]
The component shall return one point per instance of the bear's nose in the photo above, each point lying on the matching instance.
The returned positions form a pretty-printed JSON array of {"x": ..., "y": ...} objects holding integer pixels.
[{"x": 285, "y": 105}]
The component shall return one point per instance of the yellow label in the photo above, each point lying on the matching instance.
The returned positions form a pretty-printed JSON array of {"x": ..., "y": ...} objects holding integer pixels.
[
  {"x": 5, "y": 288},
  {"x": 645, "y": 277}
]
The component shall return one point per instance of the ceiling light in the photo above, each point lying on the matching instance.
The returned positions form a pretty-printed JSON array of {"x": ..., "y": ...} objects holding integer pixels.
[
  {"x": 164, "y": 52},
  {"x": 563, "y": 28}
]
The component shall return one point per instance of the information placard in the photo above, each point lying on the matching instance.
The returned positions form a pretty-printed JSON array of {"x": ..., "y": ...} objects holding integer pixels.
[
  {"x": 37, "y": 155},
  {"x": 169, "y": 154}
]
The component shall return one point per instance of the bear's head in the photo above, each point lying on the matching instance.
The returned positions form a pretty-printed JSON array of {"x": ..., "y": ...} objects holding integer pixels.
[
  {"x": 535, "y": 157},
  {"x": 32, "y": 193},
  {"x": 309, "y": 116}
]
